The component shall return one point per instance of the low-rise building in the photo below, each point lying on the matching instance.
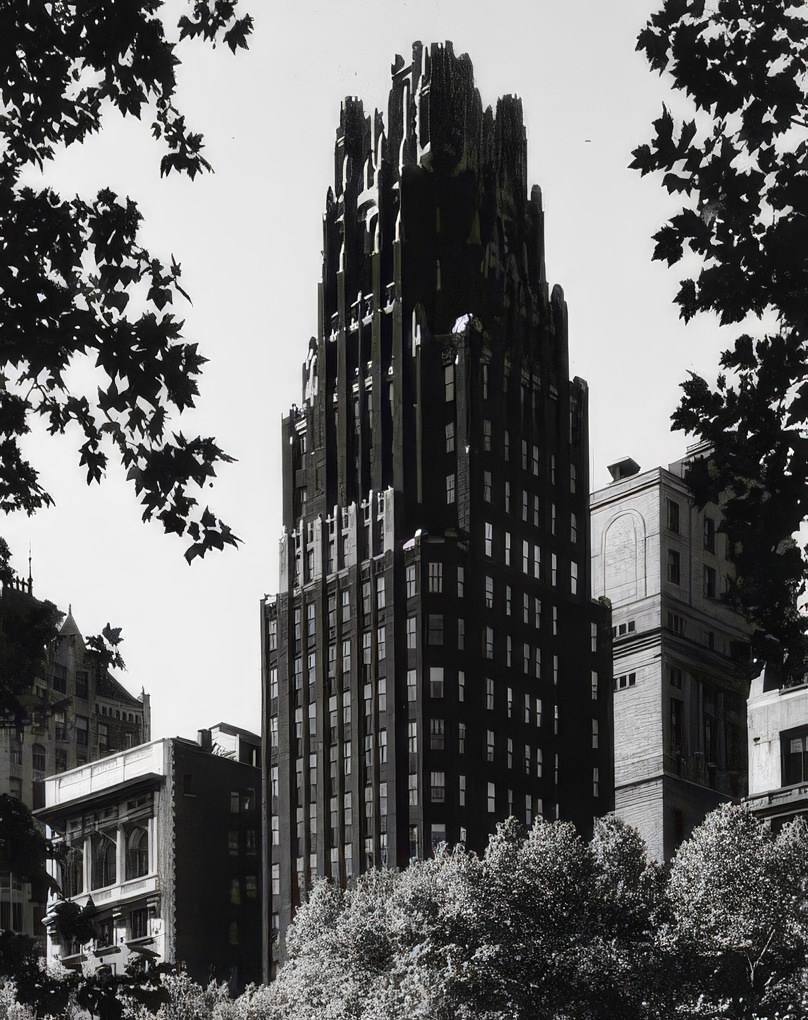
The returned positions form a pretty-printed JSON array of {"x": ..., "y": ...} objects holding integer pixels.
[{"x": 162, "y": 855}]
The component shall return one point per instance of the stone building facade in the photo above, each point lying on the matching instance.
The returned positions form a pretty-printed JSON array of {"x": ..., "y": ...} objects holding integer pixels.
[
  {"x": 162, "y": 843},
  {"x": 433, "y": 661},
  {"x": 681, "y": 655},
  {"x": 75, "y": 712}
]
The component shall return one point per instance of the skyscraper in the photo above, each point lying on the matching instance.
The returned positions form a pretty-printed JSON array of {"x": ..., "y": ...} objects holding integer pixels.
[{"x": 433, "y": 662}]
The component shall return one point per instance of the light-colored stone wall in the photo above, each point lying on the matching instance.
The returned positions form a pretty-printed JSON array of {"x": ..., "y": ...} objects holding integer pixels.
[{"x": 770, "y": 714}]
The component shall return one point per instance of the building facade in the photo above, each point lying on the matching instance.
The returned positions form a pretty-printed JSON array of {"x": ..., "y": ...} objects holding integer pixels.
[
  {"x": 777, "y": 713},
  {"x": 433, "y": 661},
  {"x": 74, "y": 713},
  {"x": 681, "y": 655},
  {"x": 163, "y": 843}
]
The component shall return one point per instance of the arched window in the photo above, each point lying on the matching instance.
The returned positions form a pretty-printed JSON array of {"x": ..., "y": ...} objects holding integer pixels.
[
  {"x": 103, "y": 870},
  {"x": 73, "y": 873},
  {"x": 137, "y": 853}
]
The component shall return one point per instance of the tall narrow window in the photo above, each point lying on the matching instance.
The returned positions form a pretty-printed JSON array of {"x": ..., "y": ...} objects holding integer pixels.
[
  {"x": 672, "y": 515},
  {"x": 673, "y": 566},
  {"x": 450, "y": 437},
  {"x": 450, "y": 489},
  {"x": 448, "y": 382}
]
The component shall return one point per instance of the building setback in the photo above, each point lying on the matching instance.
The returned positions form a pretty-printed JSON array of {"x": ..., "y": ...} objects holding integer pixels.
[
  {"x": 163, "y": 841},
  {"x": 433, "y": 662},
  {"x": 74, "y": 712},
  {"x": 681, "y": 655}
]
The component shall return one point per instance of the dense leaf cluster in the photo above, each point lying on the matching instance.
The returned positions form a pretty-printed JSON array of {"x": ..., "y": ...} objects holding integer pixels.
[
  {"x": 75, "y": 282},
  {"x": 740, "y": 164},
  {"x": 543, "y": 925}
]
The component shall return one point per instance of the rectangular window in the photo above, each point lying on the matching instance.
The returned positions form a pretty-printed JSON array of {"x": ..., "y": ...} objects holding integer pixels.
[
  {"x": 487, "y": 486},
  {"x": 573, "y": 578},
  {"x": 346, "y": 606},
  {"x": 461, "y": 792},
  {"x": 461, "y": 582},
  {"x": 506, "y": 442},
  {"x": 437, "y": 787},
  {"x": 486, "y": 435},
  {"x": 573, "y": 478},
  {"x": 524, "y": 504},
  {"x": 488, "y": 642},
  {"x": 489, "y": 694},
  {"x": 381, "y": 592},
  {"x": 489, "y": 745},
  {"x": 461, "y": 686},
  {"x": 412, "y": 685},
  {"x": 450, "y": 489},
  {"x": 412, "y": 737},
  {"x": 461, "y": 634},
  {"x": 525, "y": 557},
  {"x": 709, "y": 534},
  {"x": 412, "y": 632},
  {"x": 573, "y": 527},
  {"x": 492, "y": 799},
  {"x": 527, "y": 709},
  {"x": 676, "y": 623},
  {"x": 346, "y": 656},
  {"x": 674, "y": 566},
  {"x": 437, "y": 737},
  {"x": 436, "y": 681},
  {"x": 595, "y": 685},
  {"x": 489, "y": 539},
  {"x": 507, "y": 497},
  {"x": 82, "y": 731},
  {"x": 82, "y": 684},
  {"x": 448, "y": 383},
  {"x": 381, "y": 644},
  {"x": 410, "y": 580},
  {"x": 534, "y": 460},
  {"x": 507, "y": 548},
  {"x": 509, "y": 752},
  {"x": 412, "y": 790},
  {"x": 461, "y": 738},
  {"x": 672, "y": 515},
  {"x": 595, "y": 733},
  {"x": 709, "y": 582},
  {"x": 436, "y": 578},
  {"x": 450, "y": 437},
  {"x": 489, "y": 592},
  {"x": 435, "y": 629}
]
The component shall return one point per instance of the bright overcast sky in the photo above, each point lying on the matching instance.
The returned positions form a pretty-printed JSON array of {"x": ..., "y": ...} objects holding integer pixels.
[{"x": 249, "y": 240}]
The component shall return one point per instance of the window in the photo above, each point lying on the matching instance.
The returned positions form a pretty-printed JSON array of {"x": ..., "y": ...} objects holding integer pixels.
[
  {"x": 412, "y": 685},
  {"x": 450, "y": 437},
  {"x": 709, "y": 582},
  {"x": 573, "y": 577},
  {"x": 673, "y": 566},
  {"x": 595, "y": 685},
  {"x": 486, "y": 435},
  {"x": 524, "y": 455},
  {"x": 595, "y": 733},
  {"x": 573, "y": 478},
  {"x": 489, "y": 539},
  {"x": 436, "y": 681},
  {"x": 709, "y": 534},
  {"x": 539, "y": 762},
  {"x": 794, "y": 746},
  {"x": 461, "y": 634},
  {"x": 528, "y": 760},
  {"x": 596, "y": 782},
  {"x": 437, "y": 787},
  {"x": 489, "y": 694},
  {"x": 489, "y": 592},
  {"x": 437, "y": 736},
  {"x": 448, "y": 383},
  {"x": 461, "y": 582},
  {"x": 381, "y": 644},
  {"x": 507, "y": 497},
  {"x": 525, "y": 557},
  {"x": 380, "y": 593},
  {"x": 506, "y": 442},
  {"x": 104, "y": 852},
  {"x": 410, "y": 580},
  {"x": 507, "y": 548},
  {"x": 346, "y": 656},
  {"x": 461, "y": 686},
  {"x": 627, "y": 680},
  {"x": 492, "y": 799},
  {"x": 509, "y": 752},
  {"x": 672, "y": 515},
  {"x": 81, "y": 683},
  {"x": 137, "y": 853},
  {"x": 139, "y": 923},
  {"x": 60, "y": 678},
  {"x": 38, "y": 756},
  {"x": 436, "y": 578},
  {"x": 461, "y": 738},
  {"x": 461, "y": 792},
  {"x": 573, "y": 527},
  {"x": 435, "y": 629},
  {"x": 412, "y": 632},
  {"x": 527, "y": 708},
  {"x": 534, "y": 460},
  {"x": 488, "y": 642},
  {"x": 60, "y": 759},
  {"x": 82, "y": 731},
  {"x": 489, "y": 745},
  {"x": 676, "y": 677},
  {"x": 450, "y": 489},
  {"x": 382, "y": 742},
  {"x": 524, "y": 504},
  {"x": 487, "y": 486},
  {"x": 676, "y": 623},
  {"x": 346, "y": 606}
]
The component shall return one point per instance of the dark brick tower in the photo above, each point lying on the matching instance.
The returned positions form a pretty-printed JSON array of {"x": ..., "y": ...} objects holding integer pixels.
[{"x": 433, "y": 662}]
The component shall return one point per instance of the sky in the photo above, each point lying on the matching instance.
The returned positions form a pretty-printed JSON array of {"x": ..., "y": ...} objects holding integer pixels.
[{"x": 249, "y": 239}]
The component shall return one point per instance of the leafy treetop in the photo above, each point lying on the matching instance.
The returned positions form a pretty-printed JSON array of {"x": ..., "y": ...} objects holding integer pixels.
[
  {"x": 75, "y": 281},
  {"x": 739, "y": 164}
]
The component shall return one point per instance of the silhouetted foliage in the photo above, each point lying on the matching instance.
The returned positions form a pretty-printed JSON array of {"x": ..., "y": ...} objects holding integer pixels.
[
  {"x": 76, "y": 283},
  {"x": 739, "y": 164}
]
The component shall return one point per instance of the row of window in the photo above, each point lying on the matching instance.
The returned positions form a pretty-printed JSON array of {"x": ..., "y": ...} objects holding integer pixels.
[{"x": 709, "y": 574}]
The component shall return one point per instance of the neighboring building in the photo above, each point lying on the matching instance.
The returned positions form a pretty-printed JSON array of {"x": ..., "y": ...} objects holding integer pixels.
[
  {"x": 75, "y": 712},
  {"x": 681, "y": 655},
  {"x": 164, "y": 840},
  {"x": 433, "y": 662},
  {"x": 778, "y": 745}
]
